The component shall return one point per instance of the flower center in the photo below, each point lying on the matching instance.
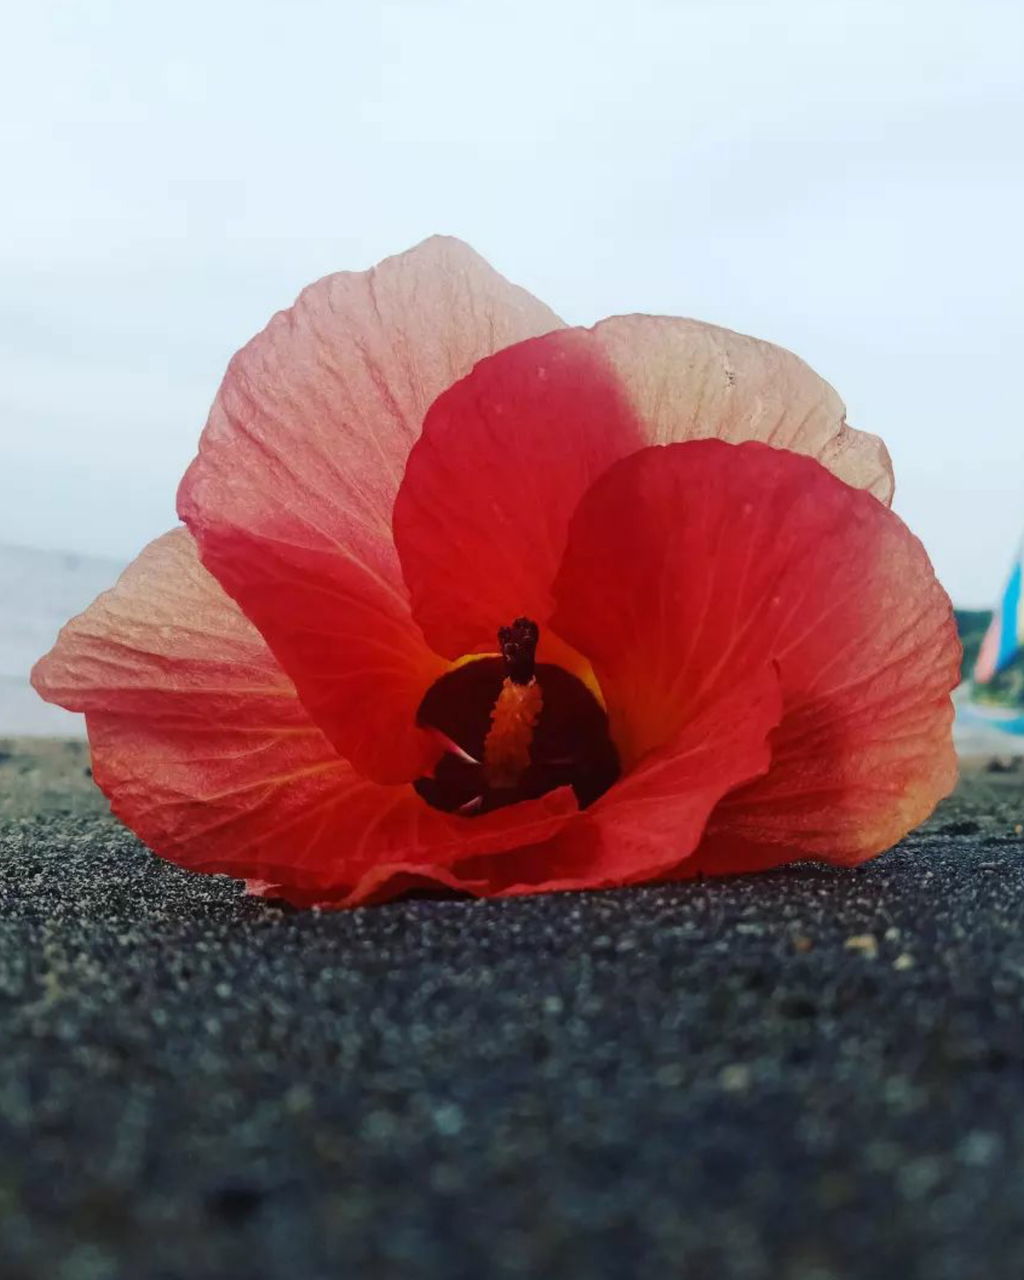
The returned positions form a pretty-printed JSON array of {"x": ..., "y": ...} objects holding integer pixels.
[{"x": 514, "y": 729}]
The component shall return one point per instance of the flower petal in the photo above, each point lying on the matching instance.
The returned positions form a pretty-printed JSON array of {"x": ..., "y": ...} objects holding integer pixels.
[
  {"x": 646, "y": 827},
  {"x": 686, "y": 380},
  {"x": 716, "y": 558},
  {"x": 291, "y": 494},
  {"x": 481, "y": 516},
  {"x": 205, "y": 751},
  {"x": 653, "y": 819},
  {"x": 506, "y": 454}
]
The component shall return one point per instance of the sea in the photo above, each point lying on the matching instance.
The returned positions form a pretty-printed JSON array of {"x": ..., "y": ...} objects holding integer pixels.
[{"x": 40, "y": 590}]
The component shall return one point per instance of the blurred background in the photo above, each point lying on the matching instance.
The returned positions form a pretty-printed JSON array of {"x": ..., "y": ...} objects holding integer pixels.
[{"x": 840, "y": 178}]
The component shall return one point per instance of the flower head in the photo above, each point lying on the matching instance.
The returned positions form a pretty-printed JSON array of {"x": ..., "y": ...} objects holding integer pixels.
[{"x": 471, "y": 599}]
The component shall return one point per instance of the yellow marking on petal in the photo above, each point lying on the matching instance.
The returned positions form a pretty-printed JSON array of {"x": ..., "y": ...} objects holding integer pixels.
[
  {"x": 472, "y": 657},
  {"x": 554, "y": 649},
  {"x": 508, "y": 741}
]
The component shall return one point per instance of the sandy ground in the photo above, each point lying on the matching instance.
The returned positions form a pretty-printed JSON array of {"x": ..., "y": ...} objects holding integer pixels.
[
  {"x": 808, "y": 1075},
  {"x": 47, "y": 776}
]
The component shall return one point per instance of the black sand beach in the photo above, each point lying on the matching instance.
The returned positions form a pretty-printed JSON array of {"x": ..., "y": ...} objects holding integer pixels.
[{"x": 808, "y": 1075}]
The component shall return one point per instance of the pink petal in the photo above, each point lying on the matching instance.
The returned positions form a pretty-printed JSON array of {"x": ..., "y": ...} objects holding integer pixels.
[
  {"x": 686, "y": 380},
  {"x": 291, "y": 495}
]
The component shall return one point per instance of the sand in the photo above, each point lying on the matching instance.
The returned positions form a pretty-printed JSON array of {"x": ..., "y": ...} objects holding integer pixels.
[{"x": 807, "y": 1075}]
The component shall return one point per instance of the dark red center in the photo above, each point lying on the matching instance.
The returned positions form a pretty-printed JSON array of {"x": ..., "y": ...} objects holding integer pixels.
[{"x": 570, "y": 745}]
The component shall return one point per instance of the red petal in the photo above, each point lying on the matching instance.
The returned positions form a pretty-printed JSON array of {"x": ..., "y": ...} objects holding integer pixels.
[
  {"x": 481, "y": 517},
  {"x": 724, "y": 854},
  {"x": 644, "y": 828},
  {"x": 653, "y": 819},
  {"x": 291, "y": 495},
  {"x": 505, "y": 455},
  {"x": 379, "y": 884},
  {"x": 205, "y": 751},
  {"x": 716, "y": 558}
]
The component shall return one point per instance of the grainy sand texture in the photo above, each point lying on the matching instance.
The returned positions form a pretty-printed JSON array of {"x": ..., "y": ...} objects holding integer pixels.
[{"x": 807, "y": 1075}]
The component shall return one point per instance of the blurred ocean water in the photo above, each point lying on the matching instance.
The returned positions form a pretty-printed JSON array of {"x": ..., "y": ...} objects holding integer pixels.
[{"x": 39, "y": 592}]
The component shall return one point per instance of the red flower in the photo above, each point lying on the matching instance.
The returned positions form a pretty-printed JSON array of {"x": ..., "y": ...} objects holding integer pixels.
[{"x": 721, "y": 649}]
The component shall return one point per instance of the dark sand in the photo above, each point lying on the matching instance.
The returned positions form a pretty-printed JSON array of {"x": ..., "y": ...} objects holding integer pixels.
[{"x": 805, "y": 1075}]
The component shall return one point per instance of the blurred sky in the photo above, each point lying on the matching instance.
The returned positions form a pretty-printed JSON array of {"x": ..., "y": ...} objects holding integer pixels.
[{"x": 841, "y": 178}]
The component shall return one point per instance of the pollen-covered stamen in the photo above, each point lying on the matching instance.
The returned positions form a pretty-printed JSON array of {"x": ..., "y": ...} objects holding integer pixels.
[
  {"x": 517, "y": 709},
  {"x": 508, "y": 742}
]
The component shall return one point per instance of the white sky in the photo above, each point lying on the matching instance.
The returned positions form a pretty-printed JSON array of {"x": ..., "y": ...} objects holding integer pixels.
[{"x": 842, "y": 178}]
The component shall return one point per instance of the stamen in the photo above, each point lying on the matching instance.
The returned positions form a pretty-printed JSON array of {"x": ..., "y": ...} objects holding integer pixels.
[
  {"x": 517, "y": 709},
  {"x": 513, "y": 720}
]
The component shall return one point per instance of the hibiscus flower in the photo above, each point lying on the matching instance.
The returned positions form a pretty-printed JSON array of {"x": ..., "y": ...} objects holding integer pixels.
[{"x": 467, "y": 598}]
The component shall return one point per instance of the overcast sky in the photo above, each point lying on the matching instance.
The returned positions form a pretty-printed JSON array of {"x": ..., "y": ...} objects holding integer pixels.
[{"x": 841, "y": 178}]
